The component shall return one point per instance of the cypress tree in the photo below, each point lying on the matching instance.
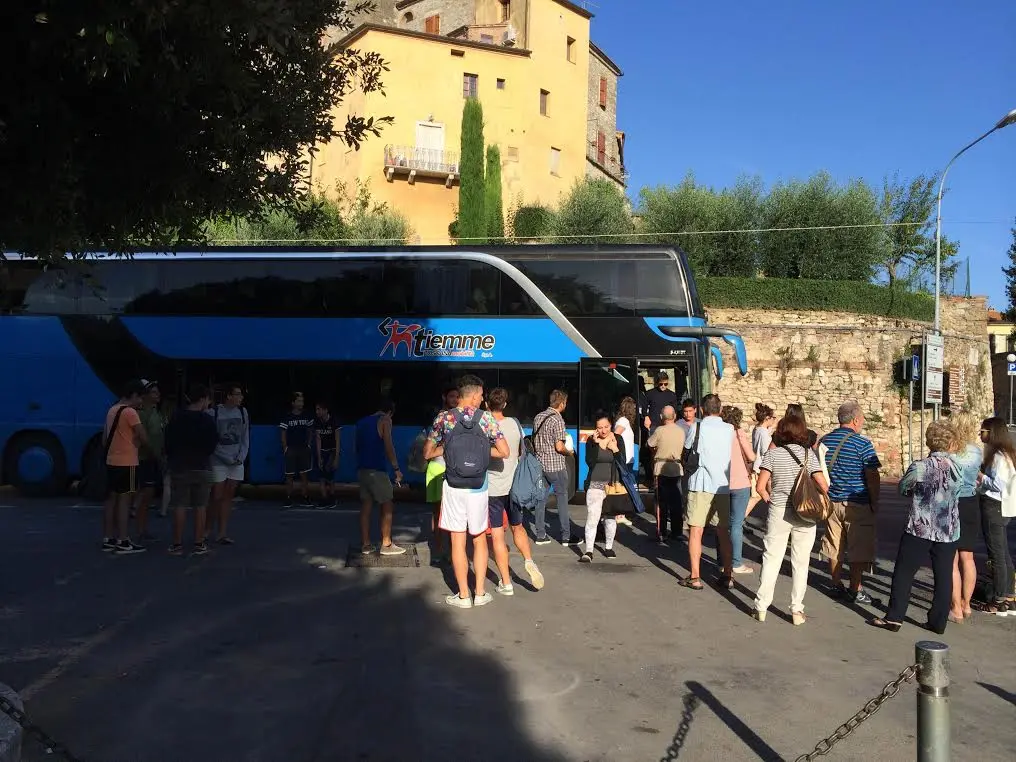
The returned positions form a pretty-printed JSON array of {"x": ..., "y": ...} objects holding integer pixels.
[
  {"x": 472, "y": 220},
  {"x": 493, "y": 205}
]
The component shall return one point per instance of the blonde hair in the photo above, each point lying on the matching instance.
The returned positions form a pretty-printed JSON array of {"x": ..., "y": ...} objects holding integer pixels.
[
  {"x": 964, "y": 427},
  {"x": 940, "y": 436}
]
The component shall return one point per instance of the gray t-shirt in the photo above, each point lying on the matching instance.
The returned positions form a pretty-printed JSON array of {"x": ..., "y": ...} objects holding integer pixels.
[
  {"x": 502, "y": 472},
  {"x": 234, "y": 434}
]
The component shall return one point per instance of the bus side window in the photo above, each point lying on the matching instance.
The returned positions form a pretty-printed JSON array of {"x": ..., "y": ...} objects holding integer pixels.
[
  {"x": 529, "y": 392},
  {"x": 660, "y": 289}
]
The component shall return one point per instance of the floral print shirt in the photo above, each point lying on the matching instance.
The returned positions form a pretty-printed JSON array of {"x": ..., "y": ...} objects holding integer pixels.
[{"x": 933, "y": 485}]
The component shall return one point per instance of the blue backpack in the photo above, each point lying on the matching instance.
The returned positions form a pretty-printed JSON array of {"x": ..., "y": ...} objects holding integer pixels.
[
  {"x": 466, "y": 452},
  {"x": 527, "y": 485}
]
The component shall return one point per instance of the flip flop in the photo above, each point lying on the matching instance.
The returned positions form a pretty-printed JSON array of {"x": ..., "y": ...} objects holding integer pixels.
[
  {"x": 882, "y": 624},
  {"x": 692, "y": 583}
]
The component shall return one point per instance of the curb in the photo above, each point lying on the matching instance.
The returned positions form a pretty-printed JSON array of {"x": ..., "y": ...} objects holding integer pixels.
[{"x": 10, "y": 732}]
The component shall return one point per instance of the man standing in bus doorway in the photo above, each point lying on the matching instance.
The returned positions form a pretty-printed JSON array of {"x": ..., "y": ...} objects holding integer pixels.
[
  {"x": 326, "y": 440},
  {"x": 468, "y": 438},
  {"x": 549, "y": 438},
  {"x": 233, "y": 427},
  {"x": 123, "y": 433},
  {"x": 151, "y": 457},
  {"x": 296, "y": 431},
  {"x": 435, "y": 483},
  {"x": 375, "y": 452}
]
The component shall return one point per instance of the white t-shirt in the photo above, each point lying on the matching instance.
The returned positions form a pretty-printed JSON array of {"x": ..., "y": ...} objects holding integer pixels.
[
  {"x": 499, "y": 482},
  {"x": 628, "y": 435}
]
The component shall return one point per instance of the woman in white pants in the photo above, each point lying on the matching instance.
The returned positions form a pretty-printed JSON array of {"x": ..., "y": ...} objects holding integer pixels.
[
  {"x": 780, "y": 468},
  {"x": 605, "y": 455}
]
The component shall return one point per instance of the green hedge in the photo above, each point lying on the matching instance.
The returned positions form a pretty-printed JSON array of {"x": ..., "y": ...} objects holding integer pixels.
[{"x": 824, "y": 295}]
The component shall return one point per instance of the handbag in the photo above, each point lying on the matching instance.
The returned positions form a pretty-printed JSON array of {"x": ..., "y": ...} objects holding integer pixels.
[
  {"x": 690, "y": 457},
  {"x": 615, "y": 488},
  {"x": 806, "y": 498}
]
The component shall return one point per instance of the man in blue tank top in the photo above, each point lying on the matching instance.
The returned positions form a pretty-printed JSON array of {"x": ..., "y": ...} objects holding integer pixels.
[{"x": 374, "y": 454}]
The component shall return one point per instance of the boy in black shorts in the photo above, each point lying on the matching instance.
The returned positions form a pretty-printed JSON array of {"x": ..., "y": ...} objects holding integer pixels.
[
  {"x": 296, "y": 430},
  {"x": 326, "y": 437}
]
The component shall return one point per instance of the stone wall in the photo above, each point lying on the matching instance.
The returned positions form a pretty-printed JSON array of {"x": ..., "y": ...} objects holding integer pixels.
[
  {"x": 454, "y": 14},
  {"x": 820, "y": 359},
  {"x": 603, "y": 120}
]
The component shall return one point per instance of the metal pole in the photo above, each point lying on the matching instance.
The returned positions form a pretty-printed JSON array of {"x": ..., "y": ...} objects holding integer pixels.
[
  {"x": 1010, "y": 400},
  {"x": 910, "y": 416},
  {"x": 934, "y": 738}
]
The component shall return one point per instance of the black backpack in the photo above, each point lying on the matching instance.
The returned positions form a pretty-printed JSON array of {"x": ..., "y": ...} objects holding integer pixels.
[{"x": 466, "y": 452}]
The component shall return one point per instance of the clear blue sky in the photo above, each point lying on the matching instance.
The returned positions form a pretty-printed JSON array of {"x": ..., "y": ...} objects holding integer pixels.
[{"x": 786, "y": 87}]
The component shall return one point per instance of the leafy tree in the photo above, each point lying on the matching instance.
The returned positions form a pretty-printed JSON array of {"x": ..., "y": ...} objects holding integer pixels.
[
  {"x": 493, "y": 205},
  {"x": 472, "y": 218},
  {"x": 666, "y": 212},
  {"x": 130, "y": 122},
  {"x": 530, "y": 223},
  {"x": 1010, "y": 279},
  {"x": 851, "y": 253},
  {"x": 908, "y": 211},
  {"x": 593, "y": 212}
]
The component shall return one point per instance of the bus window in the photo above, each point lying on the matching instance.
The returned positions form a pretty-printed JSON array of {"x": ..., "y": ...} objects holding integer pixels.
[
  {"x": 112, "y": 287},
  {"x": 660, "y": 289},
  {"x": 450, "y": 288},
  {"x": 584, "y": 287},
  {"x": 529, "y": 392}
]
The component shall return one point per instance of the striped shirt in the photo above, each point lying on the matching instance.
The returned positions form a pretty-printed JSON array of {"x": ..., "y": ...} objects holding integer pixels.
[
  {"x": 784, "y": 470},
  {"x": 846, "y": 476}
]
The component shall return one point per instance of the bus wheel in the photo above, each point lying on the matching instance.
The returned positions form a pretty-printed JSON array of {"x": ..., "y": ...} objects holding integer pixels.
[{"x": 36, "y": 465}]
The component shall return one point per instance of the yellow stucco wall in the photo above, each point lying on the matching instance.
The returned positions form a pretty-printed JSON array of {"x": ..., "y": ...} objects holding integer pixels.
[{"x": 425, "y": 83}]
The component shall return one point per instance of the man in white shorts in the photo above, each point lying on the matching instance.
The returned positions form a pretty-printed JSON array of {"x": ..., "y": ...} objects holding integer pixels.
[
  {"x": 233, "y": 426},
  {"x": 467, "y": 438}
]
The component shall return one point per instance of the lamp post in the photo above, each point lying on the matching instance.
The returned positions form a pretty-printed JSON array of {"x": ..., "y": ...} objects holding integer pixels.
[{"x": 1005, "y": 121}]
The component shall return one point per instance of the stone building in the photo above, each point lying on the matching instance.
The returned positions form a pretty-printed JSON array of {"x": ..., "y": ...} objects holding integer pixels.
[{"x": 821, "y": 359}]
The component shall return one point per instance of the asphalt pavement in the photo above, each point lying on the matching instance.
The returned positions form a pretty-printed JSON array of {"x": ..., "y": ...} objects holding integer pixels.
[{"x": 273, "y": 649}]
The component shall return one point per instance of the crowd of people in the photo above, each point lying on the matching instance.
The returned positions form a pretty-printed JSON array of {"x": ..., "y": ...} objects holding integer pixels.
[{"x": 705, "y": 470}]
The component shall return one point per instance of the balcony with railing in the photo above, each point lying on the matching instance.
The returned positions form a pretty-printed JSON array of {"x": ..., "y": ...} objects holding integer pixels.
[{"x": 416, "y": 162}]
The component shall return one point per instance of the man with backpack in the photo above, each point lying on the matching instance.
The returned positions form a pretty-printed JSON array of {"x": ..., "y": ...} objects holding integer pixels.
[
  {"x": 500, "y": 500},
  {"x": 467, "y": 438},
  {"x": 123, "y": 434}
]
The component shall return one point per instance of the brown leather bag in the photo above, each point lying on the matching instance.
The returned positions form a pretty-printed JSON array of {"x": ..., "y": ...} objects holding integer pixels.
[{"x": 810, "y": 503}]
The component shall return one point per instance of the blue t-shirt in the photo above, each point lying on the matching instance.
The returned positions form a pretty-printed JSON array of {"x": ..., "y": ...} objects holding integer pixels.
[
  {"x": 846, "y": 475},
  {"x": 969, "y": 464}
]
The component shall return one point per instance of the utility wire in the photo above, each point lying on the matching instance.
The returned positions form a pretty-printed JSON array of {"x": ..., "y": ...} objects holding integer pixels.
[{"x": 610, "y": 235}]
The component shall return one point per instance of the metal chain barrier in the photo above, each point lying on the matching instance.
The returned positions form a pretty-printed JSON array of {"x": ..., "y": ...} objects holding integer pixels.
[
  {"x": 824, "y": 746},
  {"x": 51, "y": 745},
  {"x": 691, "y": 703}
]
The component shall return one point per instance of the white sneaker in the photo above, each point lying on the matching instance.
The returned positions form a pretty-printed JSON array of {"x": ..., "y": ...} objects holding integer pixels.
[
  {"x": 504, "y": 589},
  {"x": 743, "y": 569},
  {"x": 457, "y": 602},
  {"x": 624, "y": 520},
  {"x": 482, "y": 600},
  {"x": 392, "y": 550},
  {"x": 535, "y": 576}
]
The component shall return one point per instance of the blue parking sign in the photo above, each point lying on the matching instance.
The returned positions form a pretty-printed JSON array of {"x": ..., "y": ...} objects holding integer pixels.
[{"x": 1012, "y": 368}]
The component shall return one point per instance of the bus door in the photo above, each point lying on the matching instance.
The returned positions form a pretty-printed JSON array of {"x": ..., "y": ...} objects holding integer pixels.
[{"x": 603, "y": 383}]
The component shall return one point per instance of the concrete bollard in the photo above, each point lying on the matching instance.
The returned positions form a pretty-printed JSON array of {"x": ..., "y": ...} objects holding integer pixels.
[
  {"x": 10, "y": 732},
  {"x": 934, "y": 739}
]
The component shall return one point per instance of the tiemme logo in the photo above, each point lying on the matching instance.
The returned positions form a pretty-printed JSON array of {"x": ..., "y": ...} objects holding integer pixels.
[{"x": 425, "y": 342}]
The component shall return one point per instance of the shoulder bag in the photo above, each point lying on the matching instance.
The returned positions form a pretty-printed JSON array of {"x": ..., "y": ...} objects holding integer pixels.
[
  {"x": 806, "y": 498},
  {"x": 690, "y": 456}
]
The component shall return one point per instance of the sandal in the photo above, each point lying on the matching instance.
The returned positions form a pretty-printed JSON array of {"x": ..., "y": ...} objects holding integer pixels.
[
  {"x": 956, "y": 619},
  {"x": 882, "y": 624},
  {"x": 692, "y": 583},
  {"x": 725, "y": 583}
]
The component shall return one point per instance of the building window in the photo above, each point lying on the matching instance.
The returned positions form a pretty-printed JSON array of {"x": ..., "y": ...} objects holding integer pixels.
[
  {"x": 432, "y": 24},
  {"x": 601, "y": 148},
  {"x": 506, "y": 11},
  {"x": 544, "y": 102},
  {"x": 603, "y": 92},
  {"x": 555, "y": 161},
  {"x": 408, "y": 18},
  {"x": 487, "y": 38},
  {"x": 570, "y": 49},
  {"x": 469, "y": 85},
  {"x": 500, "y": 84}
]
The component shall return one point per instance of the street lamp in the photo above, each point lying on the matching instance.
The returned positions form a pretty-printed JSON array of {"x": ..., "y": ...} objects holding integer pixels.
[{"x": 1005, "y": 121}]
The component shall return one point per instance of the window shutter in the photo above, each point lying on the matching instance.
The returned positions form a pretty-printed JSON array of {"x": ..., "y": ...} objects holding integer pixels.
[
  {"x": 603, "y": 92},
  {"x": 432, "y": 24},
  {"x": 601, "y": 148}
]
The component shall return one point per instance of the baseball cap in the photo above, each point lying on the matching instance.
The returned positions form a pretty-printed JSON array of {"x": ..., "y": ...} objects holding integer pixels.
[{"x": 148, "y": 385}]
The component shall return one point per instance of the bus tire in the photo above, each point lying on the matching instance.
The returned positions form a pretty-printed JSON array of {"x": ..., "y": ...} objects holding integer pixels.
[
  {"x": 93, "y": 471},
  {"x": 35, "y": 464}
]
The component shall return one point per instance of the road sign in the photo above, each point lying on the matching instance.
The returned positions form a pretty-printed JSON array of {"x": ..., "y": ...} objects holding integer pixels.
[
  {"x": 934, "y": 368},
  {"x": 1012, "y": 368},
  {"x": 916, "y": 372}
]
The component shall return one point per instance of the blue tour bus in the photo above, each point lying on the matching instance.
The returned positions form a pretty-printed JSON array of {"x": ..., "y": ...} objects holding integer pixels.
[{"x": 346, "y": 325}]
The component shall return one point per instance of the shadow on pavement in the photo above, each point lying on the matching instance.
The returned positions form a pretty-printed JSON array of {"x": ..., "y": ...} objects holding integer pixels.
[
  {"x": 1002, "y": 693},
  {"x": 751, "y": 739}
]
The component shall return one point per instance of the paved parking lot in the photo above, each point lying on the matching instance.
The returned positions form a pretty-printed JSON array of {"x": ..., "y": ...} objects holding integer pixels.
[{"x": 273, "y": 650}]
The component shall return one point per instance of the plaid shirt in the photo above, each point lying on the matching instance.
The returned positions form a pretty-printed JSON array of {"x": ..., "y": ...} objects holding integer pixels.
[{"x": 547, "y": 435}]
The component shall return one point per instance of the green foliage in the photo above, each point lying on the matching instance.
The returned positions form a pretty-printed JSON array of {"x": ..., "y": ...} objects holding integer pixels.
[
  {"x": 823, "y": 295},
  {"x": 594, "y": 212},
  {"x": 472, "y": 218},
  {"x": 530, "y": 223},
  {"x": 843, "y": 254},
  {"x": 493, "y": 205},
  {"x": 909, "y": 248},
  {"x": 131, "y": 123},
  {"x": 351, "y": 219},
  {"x": 690, "y": 207},
  {"x": 1010, "y": 280}
]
